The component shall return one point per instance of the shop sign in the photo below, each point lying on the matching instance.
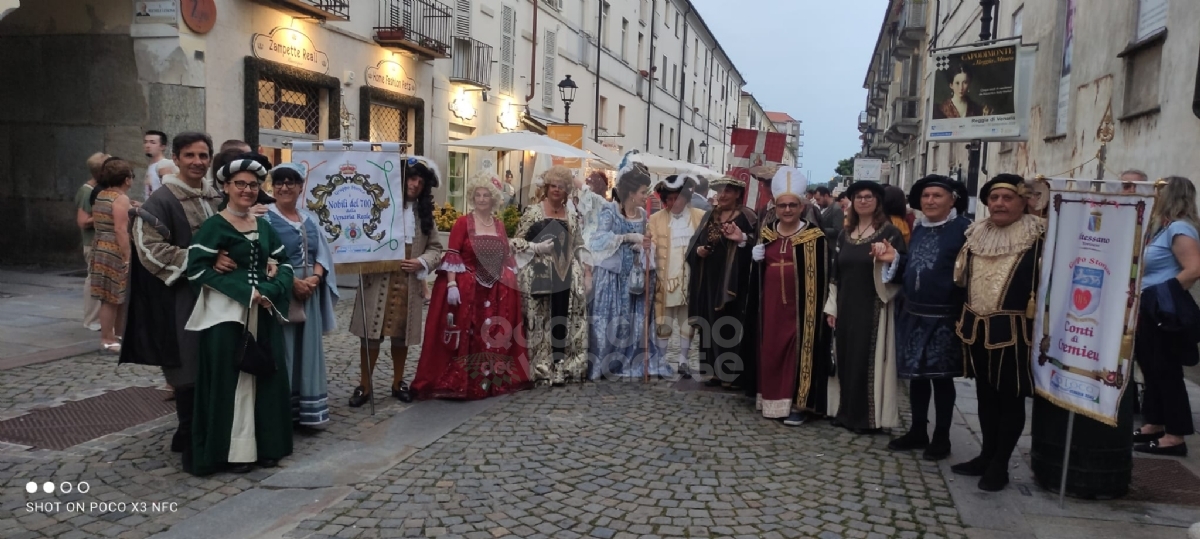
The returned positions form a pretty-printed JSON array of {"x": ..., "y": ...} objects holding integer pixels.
[
  {"x": 390, "y": 75},
  {"x": 291, "y": 47}
]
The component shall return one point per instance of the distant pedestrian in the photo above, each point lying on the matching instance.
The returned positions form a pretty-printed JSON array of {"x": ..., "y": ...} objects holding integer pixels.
[
  {"x": 109, "y": 268},
  {"x": 700, "y": 195},
  {"x": 83, "y": 219},
  {"x": 154, "y": 143}
]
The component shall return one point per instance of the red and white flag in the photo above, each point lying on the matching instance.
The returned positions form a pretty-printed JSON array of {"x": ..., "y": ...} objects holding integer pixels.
[{"x": 753, "y": 148}]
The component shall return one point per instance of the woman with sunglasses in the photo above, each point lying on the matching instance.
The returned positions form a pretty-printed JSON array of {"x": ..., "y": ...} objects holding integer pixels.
[
  {"x": 240, "y": 418},
  {"x": 314, "y": 293},
  {"x": 863, "y": 391}
]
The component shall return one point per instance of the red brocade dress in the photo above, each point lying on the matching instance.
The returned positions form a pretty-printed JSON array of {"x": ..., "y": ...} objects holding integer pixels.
[{"x": 475, "y": 349}]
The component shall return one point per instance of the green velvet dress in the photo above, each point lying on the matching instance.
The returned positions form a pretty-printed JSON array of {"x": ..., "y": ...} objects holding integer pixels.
[{"x": 239, "y": 418}]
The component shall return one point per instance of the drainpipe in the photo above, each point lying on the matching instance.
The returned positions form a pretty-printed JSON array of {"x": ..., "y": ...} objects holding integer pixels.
[
  {"x": 533, "y": 57},
  {"x": 599, "y": 46},
  {"x": 682, "y": 82},
  {"x": 650, "y": 71}
]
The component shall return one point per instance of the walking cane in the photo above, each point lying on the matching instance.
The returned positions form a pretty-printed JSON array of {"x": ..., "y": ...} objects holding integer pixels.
[{"x": 646, "y": 292}]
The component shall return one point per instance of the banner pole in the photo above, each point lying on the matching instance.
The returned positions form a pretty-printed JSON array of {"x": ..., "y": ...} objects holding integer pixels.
[{"x": 1062, "y": 484}]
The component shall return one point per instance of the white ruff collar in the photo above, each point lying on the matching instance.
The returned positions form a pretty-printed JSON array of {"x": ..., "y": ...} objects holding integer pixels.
[{"x": 925, "y": 222}]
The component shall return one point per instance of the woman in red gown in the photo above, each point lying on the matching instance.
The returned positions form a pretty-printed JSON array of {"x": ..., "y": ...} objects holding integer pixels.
[{"x": 474, "y": 344}]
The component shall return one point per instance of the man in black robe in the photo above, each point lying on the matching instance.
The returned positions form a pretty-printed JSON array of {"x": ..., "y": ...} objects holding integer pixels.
[{"x": 719, "y": 261}]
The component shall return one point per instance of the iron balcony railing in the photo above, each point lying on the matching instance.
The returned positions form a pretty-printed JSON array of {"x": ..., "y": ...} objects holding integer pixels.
[
  {"x": 421, "y": 26},
  {"x": 330, "y": 10},
  {"x": 472, "y": 63}
]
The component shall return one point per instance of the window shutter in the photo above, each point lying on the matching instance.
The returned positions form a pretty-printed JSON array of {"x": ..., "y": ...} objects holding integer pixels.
[
  {"x": 549, "y": 82},
  {"x": 507, "y": 49},
  {"x": 462, "y": 19}
]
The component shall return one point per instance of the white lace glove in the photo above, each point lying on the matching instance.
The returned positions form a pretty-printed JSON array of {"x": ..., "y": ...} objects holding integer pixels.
[
  {"x": 543, "y": 248},
  {"x": 452, "y": 296},
  {"x": 759, "y": 252}
]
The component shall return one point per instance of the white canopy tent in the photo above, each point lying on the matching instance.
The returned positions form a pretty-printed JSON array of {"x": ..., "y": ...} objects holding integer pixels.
[{"x": 517, "y": 141}]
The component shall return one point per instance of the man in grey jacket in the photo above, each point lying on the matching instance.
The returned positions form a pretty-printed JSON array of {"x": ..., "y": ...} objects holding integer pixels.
[
  {"x": 700, "y": 195},
  {"x": 831, "y": 215}
]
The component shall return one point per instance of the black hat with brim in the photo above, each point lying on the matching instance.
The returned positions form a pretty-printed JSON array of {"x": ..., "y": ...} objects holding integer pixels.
[
  {"x": 1011, "y": 182},
  {"x": 875, "y": 187},
  {"x": 957, "y": 188}
]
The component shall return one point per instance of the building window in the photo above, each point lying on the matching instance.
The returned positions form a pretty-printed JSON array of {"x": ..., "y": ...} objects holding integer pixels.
[
  {"x": 677, "y": 24},
  {"x": 289, "y": 106},
  {"x": 667, "y": 13},
  {"x": 640, "y": 51},
  {"x": 660, "y": 136},
  {"x": 456, "y": 179},
  {"x": 674, "y": 78},
  {"x": 1018, "y": 22},
  {"x": 620, "y": 119},
  {"x": 696, "y": 57},
  {"x": 602, "y": 122},
  {"x": 1142, "y": 74},
  {"x": 663, "y": 75},
  {"x": 624, "y": 39},
  {"x": 388, "y": 123},
  {"x": 671, "y": 141},
  {"x": 1063, "y": 101},
  {"x": 642, "y": 9},
  {"x": 1152, "y": 18},
  {"x": 508, "y": 47},
  {"x": 462, "y": 18},
  {"x": 549, "y": 81},
  {"x": 604, "y": 25}
]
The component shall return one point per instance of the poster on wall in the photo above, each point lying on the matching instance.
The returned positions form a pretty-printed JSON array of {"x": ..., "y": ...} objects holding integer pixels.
[
  {"x": 358, "y": 198},
  {"x": 571, "y": 135},
  {"x": 155, "y": 12},
  {"x": 1083, "y": 331},
  {"x": 975, "y": 94}
]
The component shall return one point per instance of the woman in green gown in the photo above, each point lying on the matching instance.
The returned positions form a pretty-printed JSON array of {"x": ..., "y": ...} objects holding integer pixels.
[{"x": 240, "y": 419}]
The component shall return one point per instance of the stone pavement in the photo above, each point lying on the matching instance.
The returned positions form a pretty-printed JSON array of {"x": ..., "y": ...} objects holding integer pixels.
[
  {"x": 612, "y": 459},
  {"x": 40, "y": 317}
]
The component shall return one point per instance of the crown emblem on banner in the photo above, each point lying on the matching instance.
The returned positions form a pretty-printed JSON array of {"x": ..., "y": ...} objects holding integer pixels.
[{"x": 348, "y": 169}]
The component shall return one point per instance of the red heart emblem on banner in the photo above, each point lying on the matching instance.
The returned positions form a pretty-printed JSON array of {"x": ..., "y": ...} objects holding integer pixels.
[{"x": 1082, "y": 298}]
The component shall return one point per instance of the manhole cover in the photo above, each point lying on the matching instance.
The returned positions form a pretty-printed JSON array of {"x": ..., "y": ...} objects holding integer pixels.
[
  {"x": 1164, "y": 481},
  {"x": 76, "y": 422}
]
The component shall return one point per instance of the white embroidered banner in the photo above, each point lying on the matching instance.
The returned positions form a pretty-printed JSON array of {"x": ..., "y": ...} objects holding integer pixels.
[
  {"x": 1083, "y": 332},
  {"x": 357, "y": 195}
]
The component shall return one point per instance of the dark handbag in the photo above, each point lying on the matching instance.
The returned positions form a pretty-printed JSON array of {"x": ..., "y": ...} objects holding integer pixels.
[
  {"x": 542, "y": 281},
  {"x": 255, "y": 357}
]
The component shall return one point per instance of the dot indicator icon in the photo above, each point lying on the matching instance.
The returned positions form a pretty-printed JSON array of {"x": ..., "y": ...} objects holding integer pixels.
[
  {"x": 31, "y": 487},
  {"x": 48, "y": 487}
]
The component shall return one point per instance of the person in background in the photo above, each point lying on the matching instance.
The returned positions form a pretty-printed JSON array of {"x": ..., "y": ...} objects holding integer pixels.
[
  {"x": 83, "y": 219},
  {"x": 393, "y": 302},
  {"x": 863, "y": 394},
  {"x": 998, "y": 266},
  {"x": 109, "y": 267},
  {"x": 510, "y": 190},
  {"x": 475, "y": 336},
  {"x": 1129, "y": 177},
  {"x": 831, "y": 215},
  {"x": 844, "y": 202},
  {"x": 154, "y": 143},
  {"x": 672, "y": 230},
  {"x": 588, "y": 199},
  {"x": 929, "y": 353},
  {"x": 1172, "y": 260},
  {"x": 790, "y": 278},
  {"x": 895, "y": 205},
  {"x": 160, "y": 301},
  {"x": 621, "y": 313},
  {"x": 314, "y": 294},
  {"x": 554, "y": 282},
  {"x": 240, "y": 418},
  {"x": 700, "y": 195}
]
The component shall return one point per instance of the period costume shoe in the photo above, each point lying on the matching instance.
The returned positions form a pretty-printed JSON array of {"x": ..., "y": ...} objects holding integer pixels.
[
  {"x": 240, "y": 467},
  {"x": 971, "y": 468},
  {"x": 795, "y": 419},
  {"x": 914, "y": 439},
  {"x": 359, "y": 398},
  {"x": 1140, "y": 437},
  {"x": 937, "y": 449},
  {"x": 995, "y": 478},
  {"x": 402, "y": 392},
  {"x": 1152, "y": 448},
  {"x": 268, "y": 463}
]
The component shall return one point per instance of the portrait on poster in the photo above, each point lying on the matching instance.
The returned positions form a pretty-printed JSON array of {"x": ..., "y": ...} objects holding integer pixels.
[{"x": 974, "y": 94}]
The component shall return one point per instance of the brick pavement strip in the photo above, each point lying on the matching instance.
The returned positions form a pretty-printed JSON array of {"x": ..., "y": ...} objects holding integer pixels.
[{"x": 607, "y": 460}]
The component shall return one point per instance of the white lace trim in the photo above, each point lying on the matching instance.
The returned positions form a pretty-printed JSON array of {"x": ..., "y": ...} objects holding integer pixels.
[{"x": 924, "y": 221}]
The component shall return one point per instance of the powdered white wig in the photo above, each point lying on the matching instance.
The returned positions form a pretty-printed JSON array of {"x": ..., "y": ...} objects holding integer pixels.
[
  {"x": 561, "y": 175},
  {"x": 485, "y": 180}
]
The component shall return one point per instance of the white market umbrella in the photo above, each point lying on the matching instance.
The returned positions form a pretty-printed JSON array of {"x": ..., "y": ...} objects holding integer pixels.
[
  {"x": 517, "y": 141},
  {"x": 601, "y": 157},
  {"x": 661, "y": 165}
]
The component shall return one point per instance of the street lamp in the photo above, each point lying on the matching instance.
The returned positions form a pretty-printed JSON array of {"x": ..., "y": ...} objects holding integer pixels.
[
  {"x": 566, "y": 90},
  {"x": 704, "y": 152}
]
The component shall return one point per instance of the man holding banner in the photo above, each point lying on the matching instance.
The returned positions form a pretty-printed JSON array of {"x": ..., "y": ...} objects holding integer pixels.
[{"x": 999, "y": 268}]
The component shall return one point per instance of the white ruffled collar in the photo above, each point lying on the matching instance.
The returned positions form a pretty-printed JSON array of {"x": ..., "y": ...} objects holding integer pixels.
[{"x": 925, "y": 222}]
